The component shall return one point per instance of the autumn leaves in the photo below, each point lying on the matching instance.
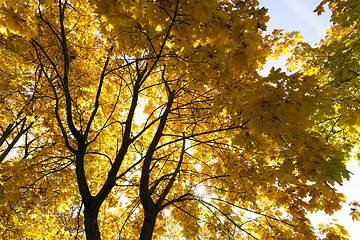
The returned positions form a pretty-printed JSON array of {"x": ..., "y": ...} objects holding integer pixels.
[{"x": 85, "y": 167}]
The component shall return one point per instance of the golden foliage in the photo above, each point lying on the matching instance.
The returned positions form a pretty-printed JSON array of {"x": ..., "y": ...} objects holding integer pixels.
[{"x": 120, "y": 111}]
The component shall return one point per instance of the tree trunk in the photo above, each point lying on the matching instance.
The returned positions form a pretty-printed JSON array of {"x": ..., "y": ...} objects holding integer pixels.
[
  {"x": 91, "y": 225},
  {"x": 148, "y": 226}
]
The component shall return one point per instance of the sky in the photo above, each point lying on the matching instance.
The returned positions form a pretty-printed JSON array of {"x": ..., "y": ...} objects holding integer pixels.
[
  {"x": 298, "y": 15},
  {"x": 295, "y": 15}
]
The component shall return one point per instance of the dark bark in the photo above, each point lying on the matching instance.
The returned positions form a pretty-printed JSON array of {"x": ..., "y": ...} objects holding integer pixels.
[
  {"x": 22, "y": 131},
  {"x": 148, "y": 226},
  {"x": 91, "y": 224}
]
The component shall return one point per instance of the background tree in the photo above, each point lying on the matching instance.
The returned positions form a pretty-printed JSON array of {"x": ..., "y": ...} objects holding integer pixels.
[
  {"x": 335, "y": 62},
  {"x": 147, "y": 102},
  {"x": 29, "y": 153}
]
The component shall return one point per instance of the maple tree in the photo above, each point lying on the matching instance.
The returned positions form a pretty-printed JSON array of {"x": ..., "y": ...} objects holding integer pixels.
[
  {"x": 335, "y": 62},
  {"x": 122, "y": 111}
]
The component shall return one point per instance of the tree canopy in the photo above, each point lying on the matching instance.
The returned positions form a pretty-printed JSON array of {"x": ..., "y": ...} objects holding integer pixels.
[{"x": 149, "y": 120}]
